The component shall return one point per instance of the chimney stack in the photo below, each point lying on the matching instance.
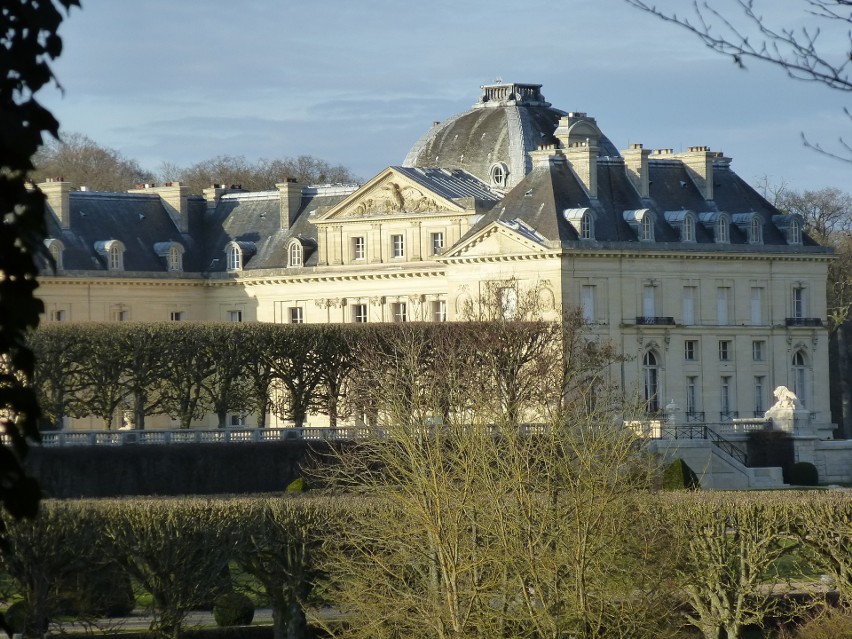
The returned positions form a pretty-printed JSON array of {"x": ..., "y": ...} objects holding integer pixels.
[
  {"x": 173, "y": 196},
  {"x": 698, "y": 161},
  {"x": 290, "y": 200},
  {"x": 636, "y": 167},
  {"x": 582, "y": 157},
  {"x": 57, "y": 193}
]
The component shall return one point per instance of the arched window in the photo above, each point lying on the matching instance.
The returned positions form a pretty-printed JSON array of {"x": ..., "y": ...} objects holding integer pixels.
[
  {"x": 647, "y": 227},
  {"x": 235, "y": 258},
  {"x": 651, "y": 379},
  {"x": 722, "y": 235},
  {"x": 688, "y": 229},
  {"x": 756, "y": 234},
  {"x": 586, "y": 232},
  {"x": 56, "y": 248},
  {"x": 794, "y": 233},
  {"x": 800, "y": 375},
  {"x": 499, "y": 172},
  {"x": 116, "y": 257},
  {"x": 295, "y": 255},
  {"x": 175, "y": 258}
]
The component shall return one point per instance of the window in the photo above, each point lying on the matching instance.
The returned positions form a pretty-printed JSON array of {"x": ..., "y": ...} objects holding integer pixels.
[
  {"x": 586, "y": 230},
  {"x": 690, "y": 350},
  {"x": 398, "y": 246},
  {"x": 725, "y": 400},
  {"x": 723, "y": 302},
  {"x": 800, "y": 373},
  {"x": 175, "y": 258},
  {"x": 725, "y": 350},
  {"x": 688, "y": 234},
  {"x": 58, "y": 315},
  {"x": 116, "y": 257},
  {"x": 756, "y": 305},
  {"x": 55, "y": 247},
  {"x": 296, "y": 314},
  {"x": 294, "y": 257},
  {"x": 437, "y": 242},
  {"x": 759, "y": 383},
  {"x": 587, "y": 303},
  {"x": 651, "y": 378},
  {"x": 235, "y": 316},
  {"x": 177, "y": 316},
  {"x": 400, "y": 312},
  {"x": 359, "y": 248},
  {"x": 507, "y": 298},
  {"x": 359, "y": 313},
  {"x": 798, "y": 302},
  {"x": 647, "y": 227},
  {"x": 120, "y": 315},
  {"x": 439, "y": 311},
  {"x": 755, "y": 235},
  {"x": 691, "y": 395},
  {"x": 758, "y": 350},
  {"x": 238, "y": 419},
  {"x": 722, "y": 236},
  {"x": 649, "y": 298},
  {"x": 235, "y": 258},
  {"x": 499, "y": 171},
  {"x": 794, "y": 233},
  {"x": 689, "y": 295}
]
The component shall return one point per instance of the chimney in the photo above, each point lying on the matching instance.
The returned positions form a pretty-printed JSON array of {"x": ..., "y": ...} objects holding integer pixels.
[
  {"x": 582, "y": 157},
  {"x": 173, "y": 196},
  {"x": 698, "y": 161},
  {"x": 213, "y": 194},
  {"x": 546, "y": 155},
  {"x": 290, "y": 200},
  {"x": 636, "y": 167},
  {"x": 57, "y": 193}
]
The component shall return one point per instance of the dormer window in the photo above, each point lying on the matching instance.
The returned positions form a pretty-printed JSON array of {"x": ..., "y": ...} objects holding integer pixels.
[
  {"x": 688, "y": 234},
  {"x": 756, "y": 234},
  {"x": 583, "y": 222},
  {"x": 499, "y": 173},
  {"x": 175, "y": 259},
  {"x": 683, "y": 222},
  {"x": 295, "y": 255},
  {"x": 172, "y": 254},
  {"x": 794, "y": 233},
  {"x": 235, "y": 257},
  {"x": 751, "y": 224},
  {"x": 642, "y": 223},
  {"x": 791, "y": 226},
  {"x": 113, "y": 253},
  {"x": 55, "y": 247},
  {"x": 722, "y": 236},
  {"x": 717, "y": 223}
]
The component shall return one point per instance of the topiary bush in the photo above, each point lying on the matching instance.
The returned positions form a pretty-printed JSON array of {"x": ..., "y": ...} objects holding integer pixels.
[
  {"x": 803, "y": 474},
  {"x": 233, "y": 609},
  {"x": 679, "y": 476},
  {"x": 296, "y": 486}
]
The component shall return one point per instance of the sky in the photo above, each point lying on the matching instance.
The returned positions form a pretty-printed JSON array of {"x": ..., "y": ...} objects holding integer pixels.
[{"x": 357, "y": 83}]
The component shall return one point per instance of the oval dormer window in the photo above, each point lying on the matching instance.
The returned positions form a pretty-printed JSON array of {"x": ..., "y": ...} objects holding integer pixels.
[{"x": 499, "y": 174}]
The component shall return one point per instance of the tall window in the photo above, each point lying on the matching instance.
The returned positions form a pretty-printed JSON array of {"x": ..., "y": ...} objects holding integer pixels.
[
  {"x": 437, "y": 242},
  {"x": 651, "y": 375},
  {"x": 400, "y": 312},
  {"x": 235, "y": 258},
  {"x": 295, "y": 255},
  {"x": 439, "y": 311},
  {"x": 647, "y": 227},
  {"x": 359, "y": 248},
  {"x": 359, "y": 313},
  {"x": 723, "y": 302},
  {"x": 586, "y": 231},
  {"x": 649, "y": 298},
  {"x": 756, "y": 305},
  {"x": 725, "y": 397},
  {"x": 800, "y": 374},
  {"x": 116, "y": 258},
  {"x": 756, "y": 231},
  {"x": 691, "y": 395},
  {"x": 758, "y": 350},
  {"x": 722, "y": 236},
  {"x": 175, "y": 258},
  {"x": 297, "y": 315},
  {"x": 55, "y": 248},
  {"x": 587, "y": 303},
  {"x": 398, "y": 245},
  {"x": 689, "y": 305},
  {"x": 794, "y": 233},
  {"x": 688, "y": 229},
  {"x": 759, "y": 384},
  {"x": 798, "y": 302}
]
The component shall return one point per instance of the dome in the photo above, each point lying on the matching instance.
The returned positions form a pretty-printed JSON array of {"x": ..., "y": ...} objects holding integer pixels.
[{"x": 492, "y": 140}]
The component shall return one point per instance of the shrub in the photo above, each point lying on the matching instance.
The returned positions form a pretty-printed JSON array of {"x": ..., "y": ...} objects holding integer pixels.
[
  {"x": 803, "y": 474},
  {"x": 233, "y": 609},
  {"x": 296, "y": 486},
  {"x": 16, "y": 616},
  {"x": 827, "y": 623},
  {"x": 679, "y": 476}
]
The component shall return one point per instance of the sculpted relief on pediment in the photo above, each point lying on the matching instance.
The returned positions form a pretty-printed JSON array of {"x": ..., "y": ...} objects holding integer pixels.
[{"x": 392, "y": 197}]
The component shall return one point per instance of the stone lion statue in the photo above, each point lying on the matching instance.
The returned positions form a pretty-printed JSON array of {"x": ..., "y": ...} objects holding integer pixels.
[{"x": 785, "y": 398}]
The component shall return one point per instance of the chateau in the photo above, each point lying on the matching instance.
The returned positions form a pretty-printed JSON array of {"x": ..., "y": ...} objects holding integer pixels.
[{"x": 716, "y": 297}]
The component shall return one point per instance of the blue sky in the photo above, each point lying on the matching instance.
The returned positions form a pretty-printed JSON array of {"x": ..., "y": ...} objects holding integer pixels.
[{"x": 357, "y": 83}]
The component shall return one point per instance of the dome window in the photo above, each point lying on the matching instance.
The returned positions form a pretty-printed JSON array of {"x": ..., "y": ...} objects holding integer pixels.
[{"x": 499, "y": 174}]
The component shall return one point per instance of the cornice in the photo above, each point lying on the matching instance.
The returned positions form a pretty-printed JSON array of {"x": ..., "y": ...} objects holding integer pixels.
[{"x": 123, "y": 281}]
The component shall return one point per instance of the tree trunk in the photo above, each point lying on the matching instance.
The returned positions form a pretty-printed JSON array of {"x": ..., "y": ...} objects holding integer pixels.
[
  {"x": 139, "y": 411},
  {"x": 222, "y": 415}
]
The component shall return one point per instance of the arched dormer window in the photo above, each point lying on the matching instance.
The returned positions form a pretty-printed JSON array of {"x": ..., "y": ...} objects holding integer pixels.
[
  {"x": 791, "y": 226},
  {"x": 499, "y": 173},
  {"x": 684, "y": 222},
  {"x": 172, "y": 254},
  {"x": 719, "y": 224},
  {"x": 113, "y": 253},
  {"x": 56, "y": 248},
  {"x": 642, "y": 223},
  {"x": 295, "y": 255},
  {"x": 235, "y": 257},
  {"x": 751, "y": 225},
  {"x": 583, "y": 222},
  {"x": 722, "y": 231}
]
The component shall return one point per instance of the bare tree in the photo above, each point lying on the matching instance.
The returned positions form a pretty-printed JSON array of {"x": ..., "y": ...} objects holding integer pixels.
[
  {"x": 82, "y": 161},
  {"x": 746, "y": 32}
]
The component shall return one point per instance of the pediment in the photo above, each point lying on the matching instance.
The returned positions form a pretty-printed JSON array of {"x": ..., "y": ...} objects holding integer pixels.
[
  {"x": 498, "y": 239},
  {"x": 391, "y": 194}
]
